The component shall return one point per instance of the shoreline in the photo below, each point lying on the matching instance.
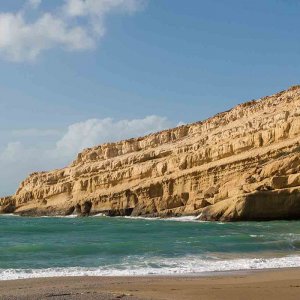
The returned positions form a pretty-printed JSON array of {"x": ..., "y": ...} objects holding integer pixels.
[
  {"x": 176, "y": 218},
  {"x": 250, "y": 284},
  {"x": 229, "y": 266}
]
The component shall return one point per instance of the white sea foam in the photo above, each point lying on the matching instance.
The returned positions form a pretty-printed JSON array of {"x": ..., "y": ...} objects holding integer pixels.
[
  {"x": 177, "y": 219},
  {"x": 71, "y": 216},
  {"x": 158, "y": 266},
  {"x": 141, "y": 218},
  {"x": 67, "y": 216},
  {"x": 99, "y": 215},
  {"x": 183, "y": 219},
  {"x": 9, "y": 215}
]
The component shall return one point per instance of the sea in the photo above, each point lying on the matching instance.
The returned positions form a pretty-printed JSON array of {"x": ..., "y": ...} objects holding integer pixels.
[{"x": 124, "y": 246}]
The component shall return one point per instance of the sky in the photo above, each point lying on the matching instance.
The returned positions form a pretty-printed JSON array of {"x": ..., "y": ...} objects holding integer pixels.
[{"x": 75, "y": 73}]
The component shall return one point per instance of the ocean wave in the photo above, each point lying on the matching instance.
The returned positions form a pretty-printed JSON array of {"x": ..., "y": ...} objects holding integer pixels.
[
  {"x": 58, "y": 216},
  {"x": 176, "y": 219},
  {"x": 9, "y": 215},
  {"x": 140, "y": 218},
  {"x": 256, "y": 235},
  {"x": 183, "y": 219},
  {"x": 158, "y": 266},
  {"x": 99, "y": 215},
  {"x": 67, "y": 216}
]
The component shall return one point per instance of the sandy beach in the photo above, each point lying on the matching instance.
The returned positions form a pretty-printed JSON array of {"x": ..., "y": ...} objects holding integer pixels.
[{"x": 269, "y": 284}]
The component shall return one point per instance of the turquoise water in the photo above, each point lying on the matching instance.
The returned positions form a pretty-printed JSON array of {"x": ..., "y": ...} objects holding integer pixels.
[{"x": 37, "y": 247}]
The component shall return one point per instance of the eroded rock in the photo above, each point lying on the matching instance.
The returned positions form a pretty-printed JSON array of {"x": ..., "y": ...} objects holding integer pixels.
[{"x": 243, "y": 164}]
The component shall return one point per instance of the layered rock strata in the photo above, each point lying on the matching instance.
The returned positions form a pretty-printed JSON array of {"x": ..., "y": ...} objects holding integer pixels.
[{"x": 243, "y": 164}]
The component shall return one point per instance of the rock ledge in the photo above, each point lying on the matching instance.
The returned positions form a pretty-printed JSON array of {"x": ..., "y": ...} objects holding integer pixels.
[{"x": 243, "y": 164}]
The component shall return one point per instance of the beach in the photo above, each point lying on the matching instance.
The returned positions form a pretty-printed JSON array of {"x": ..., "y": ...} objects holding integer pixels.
[
  {"x": 266, "y": 284},
  {"x": 149, "y": 150},
  {"x": 120, "y": 258}
]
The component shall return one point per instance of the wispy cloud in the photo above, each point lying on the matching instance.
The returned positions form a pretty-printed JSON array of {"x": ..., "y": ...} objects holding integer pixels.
[
  {"x": 34, "y": 3},
  {"x": 75, "y": 25},
  {"x": 95, "y": 131}
]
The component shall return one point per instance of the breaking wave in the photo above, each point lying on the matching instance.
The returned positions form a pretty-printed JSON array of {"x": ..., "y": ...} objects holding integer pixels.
[{"x": 159, "y": 266}]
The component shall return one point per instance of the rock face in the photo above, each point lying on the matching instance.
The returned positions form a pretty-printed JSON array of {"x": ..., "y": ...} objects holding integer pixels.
[{"x": 243, "y": 164}]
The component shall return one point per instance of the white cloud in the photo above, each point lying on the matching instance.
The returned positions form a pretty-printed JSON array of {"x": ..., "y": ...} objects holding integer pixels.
[
  {"x": 22, "y": 39},
  {"x": 11, "y": 152},
  {"x": 34, "y": 3},
  {"x": 79, "y": 8},
  {"x": 96, "y": 131},
  {"x": 18, "y": 159}
]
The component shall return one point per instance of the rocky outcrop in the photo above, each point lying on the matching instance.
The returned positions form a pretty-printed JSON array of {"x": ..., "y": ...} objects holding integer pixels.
[{"x": 243, "y": 164}]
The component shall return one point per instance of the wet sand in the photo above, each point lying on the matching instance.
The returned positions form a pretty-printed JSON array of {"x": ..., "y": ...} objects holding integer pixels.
[{"x": 270, "y": 284}]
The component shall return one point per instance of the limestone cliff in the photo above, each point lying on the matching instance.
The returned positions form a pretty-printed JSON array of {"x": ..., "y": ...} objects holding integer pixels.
[{"x": 243, "y": 164}]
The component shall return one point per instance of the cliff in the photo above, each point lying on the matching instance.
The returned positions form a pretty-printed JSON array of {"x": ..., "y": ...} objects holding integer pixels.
[{"x": 243, "y": 164}]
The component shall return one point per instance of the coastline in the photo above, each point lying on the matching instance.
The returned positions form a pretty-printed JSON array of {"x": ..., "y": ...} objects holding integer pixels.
[
  {"x": 239, "y": 165},
  {"x": 254, "y": 284}
]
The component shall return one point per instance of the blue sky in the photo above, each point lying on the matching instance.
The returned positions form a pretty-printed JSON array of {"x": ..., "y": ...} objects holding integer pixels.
[{"x": 174, "y": 60}]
